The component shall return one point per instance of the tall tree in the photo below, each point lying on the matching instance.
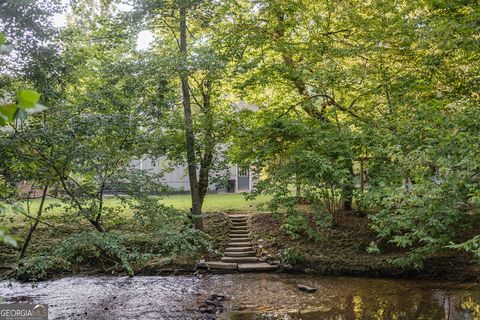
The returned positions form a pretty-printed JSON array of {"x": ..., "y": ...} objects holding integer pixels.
[
  {"x": 187, "y": 111},
  {"x": 196, "y": 64}
]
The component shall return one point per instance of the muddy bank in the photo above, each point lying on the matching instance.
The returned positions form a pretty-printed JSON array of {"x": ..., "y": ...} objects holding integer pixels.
[
  {"x": 343, "y": 252},
  {"x": 249, "y": 296}
]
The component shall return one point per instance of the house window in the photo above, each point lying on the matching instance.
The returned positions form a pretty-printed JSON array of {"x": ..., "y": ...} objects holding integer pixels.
[{"x": 243, "y": 171}]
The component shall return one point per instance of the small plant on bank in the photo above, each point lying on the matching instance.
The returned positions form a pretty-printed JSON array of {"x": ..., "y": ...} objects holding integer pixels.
[
  {"x": 38, "y": 267},
  {"x": 472, "y": 245},
  {"x": 290, "y": 256},
  {"x": 95, "y": 247}
]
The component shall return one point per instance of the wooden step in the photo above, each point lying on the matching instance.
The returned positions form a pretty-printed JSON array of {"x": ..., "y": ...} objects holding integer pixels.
[
  {"x": 257, "y": 266},
  {"x": 239, "y": 254},
  {"x": 238, "y": 220},
  {"x": 239, "y": 249},
  {"x": 239, "y": 239},
  {"x": 240, "y": 244},
  {"x": 239, "y": 259}
]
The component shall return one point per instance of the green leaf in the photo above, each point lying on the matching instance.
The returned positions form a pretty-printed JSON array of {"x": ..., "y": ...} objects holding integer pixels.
[
  {"x": 27, "y": 98},
  {"x": 2, "y": 38},
  {"x": 5, "y": 238},
  {"x": 7, "y": 113}
]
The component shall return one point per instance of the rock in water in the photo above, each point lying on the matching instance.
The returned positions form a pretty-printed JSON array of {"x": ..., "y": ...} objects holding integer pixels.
[
  {"x": 306, "y": 288},
  {"x": 218, "y": 297}
]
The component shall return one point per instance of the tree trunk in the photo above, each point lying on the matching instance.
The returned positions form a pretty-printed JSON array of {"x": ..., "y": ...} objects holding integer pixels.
[
  {"x": 362, "y": 175},
  {"x": 33, "y": 227},
  {"x": 189, "y": 136},
  {"x": 72, "y": 196},
  {"x": 207, "y": 158},
  {"x": 298, "y": 191},
  {"x": 347, "y": 192}
]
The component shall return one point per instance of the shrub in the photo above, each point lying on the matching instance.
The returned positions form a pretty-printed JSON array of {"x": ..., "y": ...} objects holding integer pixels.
[
  {"x": 290, "y": 256},
  {"x": 93, "y": 246},
  {"x": 472, "y": 245},
  {"x": 38, "y": 267},
  {"x": 168, "y": 230}
]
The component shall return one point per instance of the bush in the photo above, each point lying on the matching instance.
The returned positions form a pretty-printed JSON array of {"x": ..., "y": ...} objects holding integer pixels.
[
  {"x": 168, "y": 231},
  {"x": 290, "y": 256},
  {"x": 93, "y": 246},
  {"x": 472, "y": 245},
  {"x": 423, "y": 221},
  {"x": 38, "y": 267}
]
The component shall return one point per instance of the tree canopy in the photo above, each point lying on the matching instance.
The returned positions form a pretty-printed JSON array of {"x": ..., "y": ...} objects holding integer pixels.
[{"x": 366, "y": 107}]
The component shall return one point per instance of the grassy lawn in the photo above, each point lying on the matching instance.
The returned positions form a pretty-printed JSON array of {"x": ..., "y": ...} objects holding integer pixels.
[
  {"x": 218, "y": 202},
  {"x": 138, "y": 237},
  {"x": 213, "y": 202}
]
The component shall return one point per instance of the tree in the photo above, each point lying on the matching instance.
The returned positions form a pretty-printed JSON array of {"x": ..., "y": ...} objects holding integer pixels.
[
  {"x": 364, "y": 80},
  {"x": 199, "y": 62},
  {"x": 26, "y": 102},
  {"x": 187, "y": 111}
]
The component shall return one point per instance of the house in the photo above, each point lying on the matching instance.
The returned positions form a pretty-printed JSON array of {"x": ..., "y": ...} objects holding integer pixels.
[{"x": 236, "y": 178}]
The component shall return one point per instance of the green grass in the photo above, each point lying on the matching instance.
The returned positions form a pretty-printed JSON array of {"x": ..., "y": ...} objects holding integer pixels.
[
  {"x": 218, "y": 202},
  {"x": 213, "y": 202}
]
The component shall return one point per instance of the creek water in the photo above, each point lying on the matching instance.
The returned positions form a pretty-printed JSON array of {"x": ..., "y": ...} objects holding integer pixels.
[{"x": 248, "y": 296}]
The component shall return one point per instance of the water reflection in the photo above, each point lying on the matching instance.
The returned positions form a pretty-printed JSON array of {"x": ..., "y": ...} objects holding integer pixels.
[
  {"x": 250, "y": 296},
  {"x": 354, "y": 298},
  {"x": 391, "y": 308}
]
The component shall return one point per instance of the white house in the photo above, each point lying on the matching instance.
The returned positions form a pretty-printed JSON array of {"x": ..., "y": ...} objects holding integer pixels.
[{"x": 239, "y": 179}]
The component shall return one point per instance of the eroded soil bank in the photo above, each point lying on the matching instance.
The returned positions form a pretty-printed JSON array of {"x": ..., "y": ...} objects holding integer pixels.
[
  {"x": 249, "y": 296},
  {"x": 343, "y": 251}
]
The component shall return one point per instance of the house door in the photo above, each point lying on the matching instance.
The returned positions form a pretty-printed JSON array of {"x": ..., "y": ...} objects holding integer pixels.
[{"x": 243, "y": 176}]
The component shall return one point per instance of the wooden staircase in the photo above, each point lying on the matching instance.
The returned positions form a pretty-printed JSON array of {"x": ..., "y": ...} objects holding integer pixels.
[{"x": 240, "y": 255}]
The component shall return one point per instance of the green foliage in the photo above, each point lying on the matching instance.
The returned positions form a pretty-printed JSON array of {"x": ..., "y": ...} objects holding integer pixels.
[
  {"x": 298, "y": 224},
  {"x": 94, "y": 247},
  {"x": 373, "y": 103},
  {"x": 26, "y": 101},
  {"x": 423, "y": 220},
  {"x": 26, "y": 104},
  {"x": 300, "y": 165},
  {"x": 472, "y": 245},
  {"x": 378, "y": 84},
  {"x": 188, "y": 242},
  {"x": 290, "y": 256},
  {"x": 168, "y": 231},
  {"x": 5, "y": 190},
  {"x": 373, "y": 248},
  {"x": 6, "y": 238},
  {"x": 39, "y": 267}
]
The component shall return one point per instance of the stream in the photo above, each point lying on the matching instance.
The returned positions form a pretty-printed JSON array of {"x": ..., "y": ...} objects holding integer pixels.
[{"x": 248, "y": 296}]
